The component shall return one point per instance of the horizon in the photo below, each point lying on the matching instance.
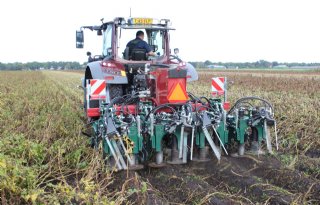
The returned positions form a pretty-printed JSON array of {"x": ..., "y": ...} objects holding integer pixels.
[{"x": 82, "y": 62}]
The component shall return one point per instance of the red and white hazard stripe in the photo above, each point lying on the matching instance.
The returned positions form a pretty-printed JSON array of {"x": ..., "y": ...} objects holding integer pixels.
[
  {"x": 97, "y": 87},
  {"x": 218, "y": 85}
]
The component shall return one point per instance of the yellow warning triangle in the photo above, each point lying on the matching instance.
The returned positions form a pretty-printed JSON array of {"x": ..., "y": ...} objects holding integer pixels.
[{"x": 177, "y": 94}]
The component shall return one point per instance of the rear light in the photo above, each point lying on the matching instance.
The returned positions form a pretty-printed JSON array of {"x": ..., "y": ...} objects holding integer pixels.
[
  {"x": 113, "y": 68},
  {"x": 108, "y": 64}
]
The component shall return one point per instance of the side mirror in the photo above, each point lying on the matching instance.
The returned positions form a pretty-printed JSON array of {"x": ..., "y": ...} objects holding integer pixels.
[
  {"x": 79, "y": 39},
  {"x": 99, "y": 33}
]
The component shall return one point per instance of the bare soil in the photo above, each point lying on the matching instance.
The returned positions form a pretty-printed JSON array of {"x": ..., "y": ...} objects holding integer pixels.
[{"x": 243, "y": 180}]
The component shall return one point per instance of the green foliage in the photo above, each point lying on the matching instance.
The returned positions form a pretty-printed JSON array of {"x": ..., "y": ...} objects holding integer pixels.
[{"x": 17, "y": 146}]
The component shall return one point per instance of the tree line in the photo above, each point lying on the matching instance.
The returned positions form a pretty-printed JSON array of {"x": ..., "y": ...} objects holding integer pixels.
[
  {"x": 257, "y": 64},
  {"x": 63, "y": 65}
]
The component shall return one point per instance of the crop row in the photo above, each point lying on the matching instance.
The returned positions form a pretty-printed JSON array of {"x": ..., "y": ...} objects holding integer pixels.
[{"x": 44, "y": 158}]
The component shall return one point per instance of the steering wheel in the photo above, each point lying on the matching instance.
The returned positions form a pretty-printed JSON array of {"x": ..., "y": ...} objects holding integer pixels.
[
  {"x": 154, "y": 48},
  {"x": 173, "y": 57}
]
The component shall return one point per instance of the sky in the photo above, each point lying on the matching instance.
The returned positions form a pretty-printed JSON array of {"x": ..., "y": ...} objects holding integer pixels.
[{"x": 215, "y": 30}]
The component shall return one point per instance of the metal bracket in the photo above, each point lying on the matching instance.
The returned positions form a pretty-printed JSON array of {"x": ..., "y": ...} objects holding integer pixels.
[
  {"x": 192, "y": 142},
  {"x": 181, "y": 141},
  {"x": 113, "y": 153},
  {"x": 213, "y": 146},
  {"x": 222, "y": 145},
  {"x": 267, "y": 135}
]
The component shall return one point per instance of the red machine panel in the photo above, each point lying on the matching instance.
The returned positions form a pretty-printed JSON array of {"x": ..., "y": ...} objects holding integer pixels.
[{"x": 169, "y": 89}]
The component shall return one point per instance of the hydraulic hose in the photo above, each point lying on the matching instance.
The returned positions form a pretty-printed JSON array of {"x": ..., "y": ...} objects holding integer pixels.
[
  {"x": 249, "y": 98},
  {"x": 159, "y": 107}
]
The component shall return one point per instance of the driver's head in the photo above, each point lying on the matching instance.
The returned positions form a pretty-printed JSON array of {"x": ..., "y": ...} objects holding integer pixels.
[{"x": 140, "y": 35}]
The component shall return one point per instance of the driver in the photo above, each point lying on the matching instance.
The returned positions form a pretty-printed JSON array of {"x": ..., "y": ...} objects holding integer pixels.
[{"x": 138, "y": 42}]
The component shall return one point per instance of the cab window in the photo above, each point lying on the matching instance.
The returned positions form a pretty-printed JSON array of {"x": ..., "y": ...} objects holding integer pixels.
[
  {"x": 124, "y": 36},
  {"x": 107, "y": 41},
  {"x": 153, "y": 37},
  {"x": 156, "y": 41}
]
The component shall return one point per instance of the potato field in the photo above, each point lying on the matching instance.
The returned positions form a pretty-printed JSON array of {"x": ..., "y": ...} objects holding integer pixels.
[{"x": 45, "y": 158}]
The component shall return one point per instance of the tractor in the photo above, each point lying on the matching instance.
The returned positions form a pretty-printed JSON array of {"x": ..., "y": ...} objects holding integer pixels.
[{"x": 140, "y": 113}]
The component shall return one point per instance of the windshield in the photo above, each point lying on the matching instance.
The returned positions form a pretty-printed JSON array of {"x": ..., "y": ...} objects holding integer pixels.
[{"x": 153, "y": 37}]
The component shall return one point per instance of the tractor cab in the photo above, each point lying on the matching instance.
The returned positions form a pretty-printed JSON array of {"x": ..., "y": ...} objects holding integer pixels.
[
  {"x": 126, "y": 70},
  {"x": 117, "y": 33}
]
